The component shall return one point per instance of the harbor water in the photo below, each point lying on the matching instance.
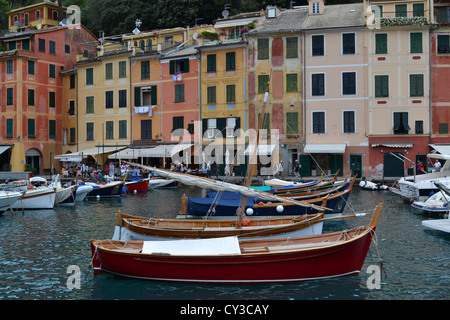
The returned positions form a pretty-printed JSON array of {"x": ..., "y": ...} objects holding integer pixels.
[{"x": 40, "y": 249}]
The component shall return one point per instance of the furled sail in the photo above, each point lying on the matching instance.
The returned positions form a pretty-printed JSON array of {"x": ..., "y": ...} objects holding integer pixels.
[{"x": 216, "y": 185}]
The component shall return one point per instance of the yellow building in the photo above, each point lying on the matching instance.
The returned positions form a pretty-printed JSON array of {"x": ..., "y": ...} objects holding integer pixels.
[
  {"x": 104, "y": 100},
  {"x": 223, "y": 95},
  {"x": 40, "y": 15}
]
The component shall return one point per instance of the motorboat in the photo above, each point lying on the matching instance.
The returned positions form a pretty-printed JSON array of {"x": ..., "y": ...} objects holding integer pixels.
[
  {"x": 421, "y": 187},
  {"x": 7, "y": 199},
  {"x": 438, "y": 202},
  {"x": 105, "y": 190}
]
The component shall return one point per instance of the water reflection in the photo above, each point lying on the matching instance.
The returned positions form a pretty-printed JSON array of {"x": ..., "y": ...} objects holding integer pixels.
[{"x": 37, "y": 247}]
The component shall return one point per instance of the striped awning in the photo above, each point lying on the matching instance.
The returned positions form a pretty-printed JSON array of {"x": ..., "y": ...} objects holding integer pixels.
[{"x": 392, "y": 144}]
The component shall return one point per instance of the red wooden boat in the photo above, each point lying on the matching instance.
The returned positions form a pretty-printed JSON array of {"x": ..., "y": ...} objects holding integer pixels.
[
  {"x": 229, "y": 260},
  {"x": 137, "y": 186}
]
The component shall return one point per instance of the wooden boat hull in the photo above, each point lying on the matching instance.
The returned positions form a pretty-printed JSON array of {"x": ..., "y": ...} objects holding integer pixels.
[
  {"x": 140, "y": 228},
  {"x": 199, "y": 207},
  {"x": 258, "y": 261},
  {"x": 109, "y": 190},
  {"x": 35, "y": 199},
  {"x": 137, "y": 186}
]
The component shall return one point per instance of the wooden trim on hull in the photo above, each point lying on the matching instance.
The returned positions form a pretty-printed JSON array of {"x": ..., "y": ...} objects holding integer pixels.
[{"x": 267, "y": 260}]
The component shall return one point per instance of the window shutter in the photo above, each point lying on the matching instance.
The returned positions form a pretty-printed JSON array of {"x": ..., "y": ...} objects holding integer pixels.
[
  {"x": 9, "y": 128},
  {"x": 416, "y": 42},
  {"x": 154, "y": 98},
  {"x": 172, "y": 67},
  {"x": 137, "y": 96},
  {"x": 186, "y": 65},
  {"x": 221, "y": 124},
  {"x": 397, "y": 119},
  {"x": 204, "y": 126},
  {"x": 381, "y": 43},
  {"x": 404, "y": 116},
  {"x": 237, "y": 127}
]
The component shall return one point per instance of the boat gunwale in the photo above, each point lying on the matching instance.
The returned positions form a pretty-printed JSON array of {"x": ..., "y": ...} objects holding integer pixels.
[{"x": 362, "y": 232}]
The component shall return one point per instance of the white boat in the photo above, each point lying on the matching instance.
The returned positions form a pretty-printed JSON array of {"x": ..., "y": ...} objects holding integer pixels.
[
  {"x": 369, "y": 185},
  {"x": 438, "y": 224},
  {"x": 161, "y": 183},
  {"x": 65, "y": 195},
  {"x": 438, "y": 202},
  {"x": 419, "y": 187},
  {"x": 82, "y": 191},
  {"x": 7, "y": 199},
  {"x": 39, "y": 198}
]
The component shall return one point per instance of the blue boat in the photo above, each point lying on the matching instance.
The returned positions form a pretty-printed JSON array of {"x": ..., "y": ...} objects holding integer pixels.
[
  {"x": 226, "y": 207},
  {"x": 106, "y": 190}
]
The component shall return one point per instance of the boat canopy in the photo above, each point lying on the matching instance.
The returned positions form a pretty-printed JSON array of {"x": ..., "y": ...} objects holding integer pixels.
[{"x": 193, "y": 247}]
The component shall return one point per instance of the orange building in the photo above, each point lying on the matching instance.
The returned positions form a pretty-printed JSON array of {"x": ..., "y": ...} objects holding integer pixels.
[{"x": 31, "y": 88}]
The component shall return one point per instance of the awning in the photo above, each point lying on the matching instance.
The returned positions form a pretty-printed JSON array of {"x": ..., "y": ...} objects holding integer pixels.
[
  {"x": 4, "y": 148},
  {"x": 325, "y": 148},
  {"x": 234, "y": 23},
  {"x": 167, "y": 150},
  {"x": 263, "y": 149},
  {"x": 127, "y": 154},
  {"x": 90, "y": 152},
  {"x": 71, "y": 159},
  {"x": 392, "y": 144},
  {"x": 441, "y": 148}
]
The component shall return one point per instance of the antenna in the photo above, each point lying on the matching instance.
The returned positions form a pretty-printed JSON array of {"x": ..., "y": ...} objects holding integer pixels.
[
  {"x": 197, "y": 19},
  {"x": 225, "y": 12},
  {"x": 138, "y": 23}
]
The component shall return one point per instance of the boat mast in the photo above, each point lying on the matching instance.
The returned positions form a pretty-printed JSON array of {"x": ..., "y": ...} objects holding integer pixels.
[{"x": 240, "y": 210}]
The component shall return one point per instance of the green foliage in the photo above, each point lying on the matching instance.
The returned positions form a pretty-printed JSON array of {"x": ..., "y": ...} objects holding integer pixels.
[{"x": 403, "y": 21}]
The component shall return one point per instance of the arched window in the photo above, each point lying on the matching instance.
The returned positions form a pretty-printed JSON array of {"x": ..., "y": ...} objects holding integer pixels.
[
  {"x": 149, "y": 45},
  {"x": 142, "y": 45}
]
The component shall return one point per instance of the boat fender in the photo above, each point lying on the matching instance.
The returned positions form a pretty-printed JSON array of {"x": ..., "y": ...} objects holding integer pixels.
[
  {"x": 260, "y": 203},
  {"x": 249, "y": 211},
  {"x": 280, "y": 208},
  {"x": 246, "y": 222}
]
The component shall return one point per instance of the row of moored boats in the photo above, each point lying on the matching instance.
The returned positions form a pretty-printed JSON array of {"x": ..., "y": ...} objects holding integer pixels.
[
  {"x": 274, "y": 232},
  {"x": 36, "y": 193}
]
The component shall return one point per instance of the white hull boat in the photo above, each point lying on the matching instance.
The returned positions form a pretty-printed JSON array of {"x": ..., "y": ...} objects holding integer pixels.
[
  {"x": 126, "y": 234},
  {"x": 82, "y": 192},
  {"x": 369, "y": 185},
  {"x": 7, "y": 199},
  {"x": 439, "y": 202},
  {"x": 41, "y": 198},
  {"x": 161, "y": 183},
  {"x": 438, "y": 224},
  {"x": 420, "y": 187}
]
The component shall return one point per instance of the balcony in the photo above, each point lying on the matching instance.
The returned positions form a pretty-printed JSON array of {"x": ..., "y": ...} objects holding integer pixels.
[{"x": 403, "y": 21}]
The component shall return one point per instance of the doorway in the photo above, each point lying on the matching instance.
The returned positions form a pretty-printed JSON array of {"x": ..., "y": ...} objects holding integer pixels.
[{"x": 356, "y": 165}]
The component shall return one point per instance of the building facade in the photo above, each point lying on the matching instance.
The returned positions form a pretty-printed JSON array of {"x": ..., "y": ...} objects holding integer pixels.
[
  {"x": 398, "y": 86},
  {"x": 31, "y": 86}
]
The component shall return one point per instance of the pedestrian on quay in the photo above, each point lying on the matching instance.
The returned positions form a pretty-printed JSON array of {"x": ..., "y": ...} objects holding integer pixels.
[{"x": 208, "y": 169}]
